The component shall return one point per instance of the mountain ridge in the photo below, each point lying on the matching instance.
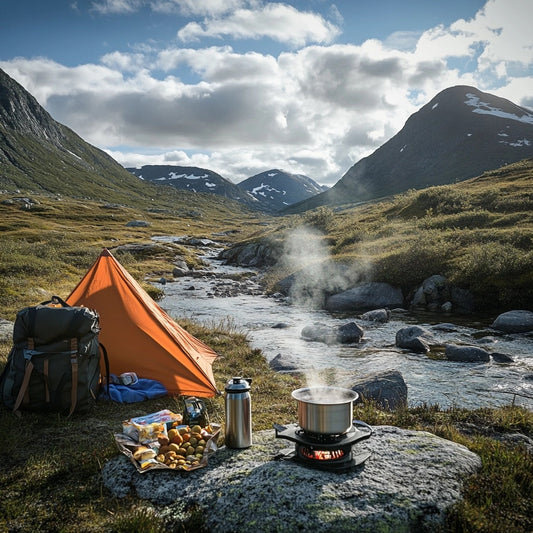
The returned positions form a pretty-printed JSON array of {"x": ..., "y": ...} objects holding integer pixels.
[
  {"x": 268, "y": 191},
  {"x": 39, "y": 154},
  {"x": 193, "y": 179},
  {"x": 460, "y": 133}
]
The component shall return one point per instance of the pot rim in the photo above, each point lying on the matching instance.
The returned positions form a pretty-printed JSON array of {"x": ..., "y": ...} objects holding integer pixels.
[{"x": 305, "y": 395}]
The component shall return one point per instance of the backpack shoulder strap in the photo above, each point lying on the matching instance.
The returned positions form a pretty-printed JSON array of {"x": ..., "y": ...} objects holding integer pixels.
[
  {"x": 30, "y": 344},
  {"x": 106, "y": 362}
]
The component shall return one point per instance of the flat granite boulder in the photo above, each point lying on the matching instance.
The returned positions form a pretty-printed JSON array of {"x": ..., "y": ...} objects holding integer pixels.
[{"x": 407, "y": 484}]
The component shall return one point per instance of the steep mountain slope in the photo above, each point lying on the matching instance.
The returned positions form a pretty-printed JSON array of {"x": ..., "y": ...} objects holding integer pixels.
[
  {"x": 193, "y": 179},
  {"x": 459, "y": 134},
  {"x": 276, "y": 189},
  {"x": 41, "y": 155}
]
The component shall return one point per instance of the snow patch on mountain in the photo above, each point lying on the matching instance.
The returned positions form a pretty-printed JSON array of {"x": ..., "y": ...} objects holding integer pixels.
[
  {"x": 486, "y": 109},
  {"x": 174, "y": 176},
  {"x": 265, "y": 188}
]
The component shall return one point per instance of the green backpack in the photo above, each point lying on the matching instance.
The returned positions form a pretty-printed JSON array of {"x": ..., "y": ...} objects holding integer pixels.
[{"x": 54, "y": 364}]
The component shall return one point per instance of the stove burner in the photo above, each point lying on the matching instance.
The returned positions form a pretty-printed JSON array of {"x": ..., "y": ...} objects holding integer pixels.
[
  {"x": 326, "y": 451},
  {"x": 320, "y": 437}
]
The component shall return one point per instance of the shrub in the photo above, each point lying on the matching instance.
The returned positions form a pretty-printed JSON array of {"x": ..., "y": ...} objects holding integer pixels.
[
  {"x": 421, "y": 257},
  {"x": 500, "y": 273},
  {"x": 319, "y": 218},
  {"x": 443, "y": 200},
  {"x": 468, "y": 219}
]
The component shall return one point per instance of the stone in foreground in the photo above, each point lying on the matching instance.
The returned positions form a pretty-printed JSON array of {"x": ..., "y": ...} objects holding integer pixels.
[{"x": 407, "y": 484}]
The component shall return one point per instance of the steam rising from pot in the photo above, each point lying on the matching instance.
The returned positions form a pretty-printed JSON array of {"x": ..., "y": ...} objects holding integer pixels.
[{"x": 316, "y": 275}]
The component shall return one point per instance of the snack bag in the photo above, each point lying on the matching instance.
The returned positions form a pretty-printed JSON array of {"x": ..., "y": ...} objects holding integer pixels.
[{"x": 145, "y": 429}]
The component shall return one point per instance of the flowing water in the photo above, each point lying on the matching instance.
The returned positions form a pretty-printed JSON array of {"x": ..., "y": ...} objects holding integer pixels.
[{"x": 275, "y": 327}]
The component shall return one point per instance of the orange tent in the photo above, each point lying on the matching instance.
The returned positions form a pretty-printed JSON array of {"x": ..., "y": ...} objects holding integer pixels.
[{"x": 139, "y": 336}]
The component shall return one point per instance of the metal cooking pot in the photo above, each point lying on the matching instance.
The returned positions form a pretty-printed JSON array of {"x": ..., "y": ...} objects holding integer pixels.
[{"x": 327, "y": 410}]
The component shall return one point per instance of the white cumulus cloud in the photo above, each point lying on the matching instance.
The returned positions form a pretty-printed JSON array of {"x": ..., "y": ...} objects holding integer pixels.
[
  {"x": 280, "y": 22},
  {"x": 315, "y": 108}
]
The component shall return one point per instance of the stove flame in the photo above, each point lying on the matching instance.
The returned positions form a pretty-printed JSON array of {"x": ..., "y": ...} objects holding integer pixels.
[{"x": 321, "y": 455}]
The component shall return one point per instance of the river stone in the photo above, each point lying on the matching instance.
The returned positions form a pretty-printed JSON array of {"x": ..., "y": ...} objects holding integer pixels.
[
  {"x": 255, "y": 254},
  {"x": 284, "y": 363},
  {"x": 137, "y": 224},
  {"x": 195, "y": 241},
  {"x": 319, "y": 333},
  {"x": 518, "y": 321},
  {"x": 385, "y": 389},
  {"x": 445, "y": 326},
  {"x": 348, "y": 333},
  {"x": 180, "y": 268},
  {"x": 415, "y": 338},
  {"x": 433, "y": 292},
  {"x": 436, "y": 294},
  {"x": 345, "y": 334},
  {"x": 499, "y": 357},
  {"x": 377, "y": 315},
  {"x": 407, "y": 484},
  {"x": 365, "y": 296},
  {"x": 466, "y": 354}
]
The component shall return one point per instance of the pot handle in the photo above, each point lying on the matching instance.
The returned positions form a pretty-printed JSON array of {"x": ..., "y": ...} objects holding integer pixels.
[{"x": 364, "y": 424}]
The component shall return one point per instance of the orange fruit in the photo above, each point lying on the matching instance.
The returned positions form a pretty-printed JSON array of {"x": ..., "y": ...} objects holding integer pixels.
[{"x": 178, "y": 439}]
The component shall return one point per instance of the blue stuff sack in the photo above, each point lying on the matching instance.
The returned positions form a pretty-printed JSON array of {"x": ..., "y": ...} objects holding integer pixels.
[{"x": 142, "y": 389}]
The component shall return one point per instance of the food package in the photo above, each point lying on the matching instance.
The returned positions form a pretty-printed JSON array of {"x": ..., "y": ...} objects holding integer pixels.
[
  {"x": 151, "y": 457},
  {"x": 144, "y": 429},
  {"x": 158, "y": 441}
]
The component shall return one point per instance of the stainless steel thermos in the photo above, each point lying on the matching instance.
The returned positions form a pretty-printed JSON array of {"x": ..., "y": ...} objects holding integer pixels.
[{"x": 238, "y": 402}]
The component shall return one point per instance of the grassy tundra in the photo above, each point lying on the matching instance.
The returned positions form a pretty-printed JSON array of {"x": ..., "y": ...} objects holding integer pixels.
[{"x": 474, "y": 231}]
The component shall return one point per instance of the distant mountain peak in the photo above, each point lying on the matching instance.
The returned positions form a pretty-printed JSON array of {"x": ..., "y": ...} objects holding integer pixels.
[
  {"x": 276, "y": 189},
  {"x": 193, "y": 179},
  {"x": 268, "y": 191},
  {"x": 461, "y": 133}
]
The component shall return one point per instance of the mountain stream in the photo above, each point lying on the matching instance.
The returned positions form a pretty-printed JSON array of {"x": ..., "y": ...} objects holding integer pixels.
[{"x": 274, "y": 326}]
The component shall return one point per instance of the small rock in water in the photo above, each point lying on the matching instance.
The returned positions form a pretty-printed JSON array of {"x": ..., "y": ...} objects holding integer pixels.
[
  {"x": 466, "y": 354},
  {"x": 501, "y": 357}
]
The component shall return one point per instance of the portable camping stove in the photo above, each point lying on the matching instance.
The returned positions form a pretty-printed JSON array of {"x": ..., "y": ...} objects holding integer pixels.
[{"x": 325, "y": 451}]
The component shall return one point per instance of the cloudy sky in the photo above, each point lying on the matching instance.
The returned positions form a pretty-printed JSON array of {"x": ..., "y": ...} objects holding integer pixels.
[{"x": 244, "y": 86}]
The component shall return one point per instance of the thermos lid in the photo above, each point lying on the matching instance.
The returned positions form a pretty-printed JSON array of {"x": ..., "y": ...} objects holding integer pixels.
[{"x": 238, "y": 384}]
